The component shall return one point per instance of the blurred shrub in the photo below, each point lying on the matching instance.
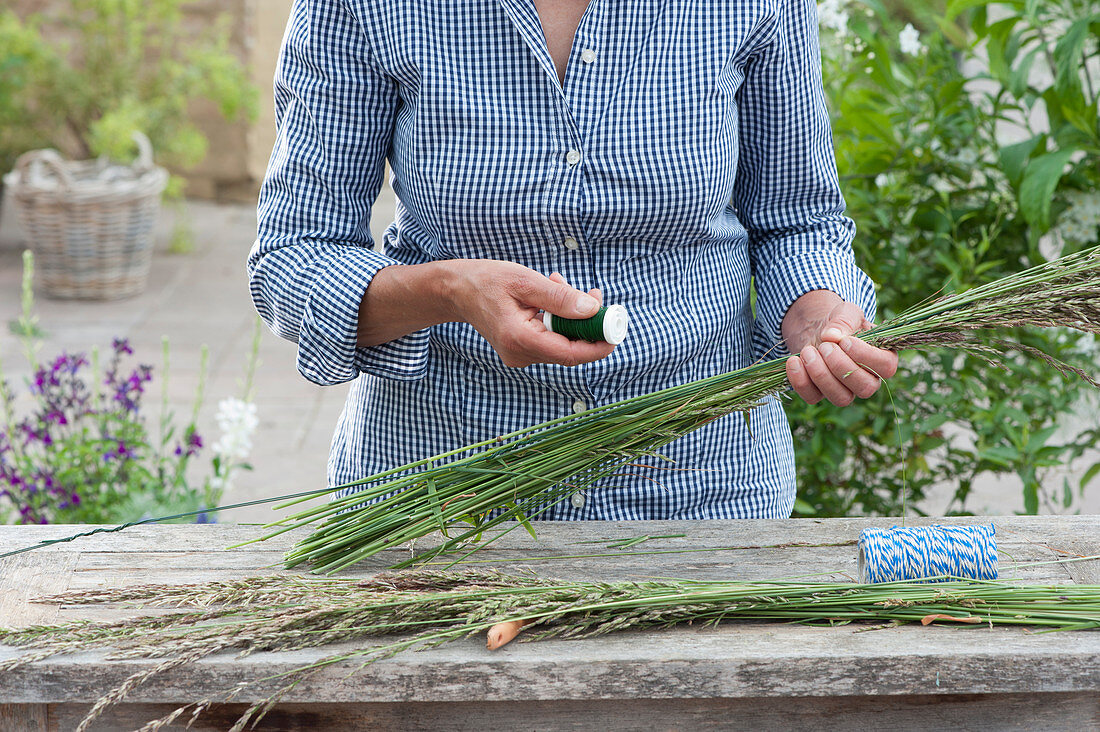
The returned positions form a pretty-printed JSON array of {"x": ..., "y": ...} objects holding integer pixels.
[
  {"x": 968, "y": 149},
  {"x": 111, "y": 67},
  {"x": 24, "y": 60}
]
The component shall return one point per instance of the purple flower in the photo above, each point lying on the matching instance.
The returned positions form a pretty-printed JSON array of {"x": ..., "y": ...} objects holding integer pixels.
[
  {"x": 128, "y": 391},
  {"x": 190, "y": 446},
  {"x": 121, "y": 346},
  {"x": 56, "y": 416},
  {"x": 122, "y": 452},
  {"x": 30, "y": 434}
]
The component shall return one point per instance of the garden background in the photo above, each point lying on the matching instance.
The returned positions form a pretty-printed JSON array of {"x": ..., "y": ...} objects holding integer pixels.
[{"x": 968, "y": 143}]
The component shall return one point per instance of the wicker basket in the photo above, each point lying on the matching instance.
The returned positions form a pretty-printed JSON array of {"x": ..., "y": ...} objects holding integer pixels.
[{"x": 89, "y": 223}]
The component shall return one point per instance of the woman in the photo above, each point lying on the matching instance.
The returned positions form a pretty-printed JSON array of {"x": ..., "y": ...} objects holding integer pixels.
[{"x": 655, "y": 155}]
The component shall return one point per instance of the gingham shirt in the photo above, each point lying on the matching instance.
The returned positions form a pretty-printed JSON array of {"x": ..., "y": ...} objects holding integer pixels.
[{"x": 687, "y": 152}]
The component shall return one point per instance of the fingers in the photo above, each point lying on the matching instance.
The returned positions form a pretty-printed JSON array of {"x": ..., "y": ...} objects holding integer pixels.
[
  {"x": 594, "y": 292},
  {"x": 554, "y": 295},
  {"x": 845, "y": 320},
  {"x": 517, "y": 332},
  {"x": 535, "y": 344},
  {"x": 820, "y": 373},
  {"x": 882, "y": 363},
  {"x": 840, "y": 373},
  {"x": 800, "y": 381}
]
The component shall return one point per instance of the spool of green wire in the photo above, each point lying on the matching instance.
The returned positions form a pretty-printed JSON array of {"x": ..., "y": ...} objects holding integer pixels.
[{"x": 609, "y": 324}]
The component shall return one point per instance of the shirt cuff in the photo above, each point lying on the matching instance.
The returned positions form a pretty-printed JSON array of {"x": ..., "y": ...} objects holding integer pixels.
[
  {"x": 327, "y": 350},
  {"x": 792, "y": 277}
]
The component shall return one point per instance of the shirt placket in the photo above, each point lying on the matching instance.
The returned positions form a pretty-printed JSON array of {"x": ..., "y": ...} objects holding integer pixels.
[
  {"x": 568, "y": 107},
  {"x": 577, "y": 106}
]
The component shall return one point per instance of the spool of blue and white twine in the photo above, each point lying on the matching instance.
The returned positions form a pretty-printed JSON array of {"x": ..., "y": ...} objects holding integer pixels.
[{"x": 927, "y": 553}]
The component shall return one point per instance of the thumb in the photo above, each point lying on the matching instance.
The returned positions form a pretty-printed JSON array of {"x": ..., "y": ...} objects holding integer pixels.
[
  {"x": 561, "y": 299},
  {"x": 845, "y": 320}
]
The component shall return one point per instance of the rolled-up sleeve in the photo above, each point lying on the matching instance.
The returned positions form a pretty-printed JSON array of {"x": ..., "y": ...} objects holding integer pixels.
[
  {"x": 313, "y": 258},
  {"x": 787, "y": 194}
]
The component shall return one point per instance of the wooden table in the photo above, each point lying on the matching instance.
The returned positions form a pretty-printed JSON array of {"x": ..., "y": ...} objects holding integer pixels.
[{"x": 737, "y": 676}]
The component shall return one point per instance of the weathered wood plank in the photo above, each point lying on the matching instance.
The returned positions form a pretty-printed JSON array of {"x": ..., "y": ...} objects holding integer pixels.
[
  {"x": 705, "y": 551},
  {"x": 28, "y": 576},
  {"x": 1083, "y": 573},
  {"x": 732, "y": 661},
  {"x": 24, "y": 718},
  {"x": 555, "y": 535},
  {"x": 1052, "y": 712}
]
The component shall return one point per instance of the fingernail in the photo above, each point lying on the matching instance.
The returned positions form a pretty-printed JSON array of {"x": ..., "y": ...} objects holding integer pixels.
[
  {"x": 846, "y": 343},
  {"x": 831, "y": 334},
  {"x": 796, "y": 364},
  {"x": 586, "y": 305},
  {"x": 826, "y": 349},
  {"x": 809, "y": 355}
]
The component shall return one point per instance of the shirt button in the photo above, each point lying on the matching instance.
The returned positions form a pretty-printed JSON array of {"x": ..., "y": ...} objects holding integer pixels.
[
  {"x": 579, "y": 406},
  {"x": 588, "y": 55},
  {"x": 577, "y": 500},
  {"x": 573, "y": 157},
  {"x": 571, "y": 243}
]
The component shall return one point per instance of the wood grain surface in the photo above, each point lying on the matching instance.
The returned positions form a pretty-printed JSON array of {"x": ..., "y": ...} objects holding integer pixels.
[{"x": 711, "y": 670}]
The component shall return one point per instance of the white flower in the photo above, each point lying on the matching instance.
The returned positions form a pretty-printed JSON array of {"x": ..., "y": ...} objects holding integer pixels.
[
  {"x": 832, "y": 14},
  {"x": 967, "y": 157},
  {"x": 237, "y": 420},
  {"x": 909, "y": 40},
  {"x": 882, "y": 180},
  {"x": 1080, "y": 221},
  {"x": 939, "y": 184}
]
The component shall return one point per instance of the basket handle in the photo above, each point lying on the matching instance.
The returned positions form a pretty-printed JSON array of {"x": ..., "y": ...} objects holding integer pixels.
[
  {"x": 144, "y": 161},
  {"x": 49, "y": 158}
]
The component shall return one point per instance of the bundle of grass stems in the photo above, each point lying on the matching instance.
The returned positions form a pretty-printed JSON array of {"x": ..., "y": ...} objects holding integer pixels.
[
  {"x": 426, "y": 608},
  {"x": 518, "y": 476}
]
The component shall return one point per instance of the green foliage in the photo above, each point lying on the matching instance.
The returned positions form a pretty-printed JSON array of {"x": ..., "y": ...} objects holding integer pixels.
[
  {"x": 122, "y": 66},
  {"x": 24, "y": 58},
  {"x": 955, "y": 177}
]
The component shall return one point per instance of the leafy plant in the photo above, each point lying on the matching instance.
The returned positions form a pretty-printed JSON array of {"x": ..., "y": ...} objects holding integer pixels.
[
  {"x": 84, "y": 451},
  {"x": 24, "y": 59},
  {"x": 116, "y": 66},
  {"x": 955, "y": 177}
]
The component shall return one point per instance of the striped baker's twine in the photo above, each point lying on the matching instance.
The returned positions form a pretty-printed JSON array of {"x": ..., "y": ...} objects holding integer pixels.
[{"x": 921, "y": 552}]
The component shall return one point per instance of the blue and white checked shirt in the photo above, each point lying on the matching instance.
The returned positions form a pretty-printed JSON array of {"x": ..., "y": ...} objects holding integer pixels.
[{"x": 687, "y": 152}]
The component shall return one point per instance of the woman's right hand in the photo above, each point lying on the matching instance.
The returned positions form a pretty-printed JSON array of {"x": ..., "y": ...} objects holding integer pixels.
[{"x": 501, "y": 300}]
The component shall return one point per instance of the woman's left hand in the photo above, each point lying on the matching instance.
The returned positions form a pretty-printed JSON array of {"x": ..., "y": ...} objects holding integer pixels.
[{"x": 832, "y": 363}]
